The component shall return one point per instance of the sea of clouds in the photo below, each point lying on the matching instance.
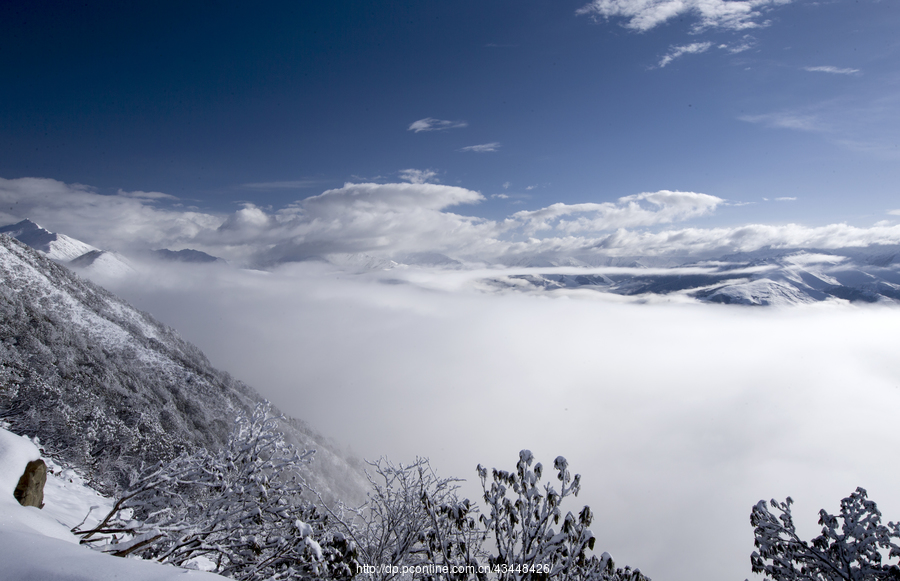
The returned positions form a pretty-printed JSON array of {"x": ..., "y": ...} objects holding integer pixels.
[{"x": 679, "y": 416}]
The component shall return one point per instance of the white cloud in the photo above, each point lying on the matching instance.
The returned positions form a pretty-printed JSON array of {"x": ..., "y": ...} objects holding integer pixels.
[
  {"x": 894, "y": 212},
  {"x": 122, "y": 221},
  {"x": 483, "y": 148},
  {"x": 667, "y": 411},
  {"x": 677, "y": 51},
  {"x": 506, "y": 185},
  {"x": 746, "y": 43},
  {"x": 432, "y": 124},
  {"x": 643, "y": 15},
  {"x": 388, "y": 220},
  {"x": 785, "y": 199},
  {"x": 418, "y": 176},
  {"x": 645, "y": 209},
  {"x": 699, "y": 241},
  {"x": 832, "y": 70},
  {"x": 369, "y": 218},
  {"x": 501, "y": 196}
]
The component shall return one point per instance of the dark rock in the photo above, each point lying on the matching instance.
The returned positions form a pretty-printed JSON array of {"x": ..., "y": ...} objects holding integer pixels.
[{"x": 30, "y": 489}]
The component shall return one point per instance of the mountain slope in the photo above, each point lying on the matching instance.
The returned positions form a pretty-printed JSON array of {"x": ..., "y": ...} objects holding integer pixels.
[
  {"x": 107, "y": 387},
  {"x": 57, "y": 247}
]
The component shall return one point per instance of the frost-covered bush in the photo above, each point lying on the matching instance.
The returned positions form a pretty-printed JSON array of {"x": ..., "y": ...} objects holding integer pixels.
[
  {"x": 413, "y": 518},
  {"x": 239, "y": 511},
  {"x": 850, "y": 547},
  {"x": 532, "y": 539}
]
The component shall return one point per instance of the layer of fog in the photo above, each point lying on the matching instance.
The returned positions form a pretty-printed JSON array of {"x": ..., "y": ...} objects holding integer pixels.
[{"x": 679, "y": 417}]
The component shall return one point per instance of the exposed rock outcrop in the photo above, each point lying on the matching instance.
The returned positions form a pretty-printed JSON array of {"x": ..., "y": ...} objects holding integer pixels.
[{"x": 30, "y": 489}]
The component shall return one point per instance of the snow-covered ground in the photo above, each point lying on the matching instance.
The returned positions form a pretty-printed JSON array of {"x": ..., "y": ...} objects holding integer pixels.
[{"x": 37, "y": 545}]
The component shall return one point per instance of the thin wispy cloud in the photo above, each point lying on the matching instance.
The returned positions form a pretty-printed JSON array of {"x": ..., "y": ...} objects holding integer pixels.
[
  {"x": 785, "y": 121},
  {"x": 146, "y": 195},
  {"x": 432, "y": 124},
  {"x": 283, "y": 185},
  {"x": 786, "y": 199},
  {"x": 418, "y": 176},
  {"x": 831, "y": 70},
  {"x": 483, "y": 148},
  {"x": 677, "y": 51},
  {"x": 858, "y": 123},
  {"x": 746, "y": 43},
  {"x": 643, "y": 15}
]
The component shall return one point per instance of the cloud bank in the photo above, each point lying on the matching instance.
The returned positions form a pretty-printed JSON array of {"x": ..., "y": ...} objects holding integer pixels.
[
  {"x": 645, "y": 209},
  {"x": 395, "y": 219},
  {"x": 668, "y": 411}
]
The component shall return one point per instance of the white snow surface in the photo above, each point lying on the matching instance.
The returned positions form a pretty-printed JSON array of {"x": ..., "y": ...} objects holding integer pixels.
[
  {"x": 106, "y": 265},
  {"x": 37, "y": 545},
  {"x": 65, "y": 248},
  {"x": 57, "y": 247},
  {"x": 15, "y": 453}
]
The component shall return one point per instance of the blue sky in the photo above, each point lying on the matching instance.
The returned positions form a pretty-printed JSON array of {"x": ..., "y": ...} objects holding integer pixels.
[
  {"x": 785, "y": 110},
  {"x": 557, "y": 129}
]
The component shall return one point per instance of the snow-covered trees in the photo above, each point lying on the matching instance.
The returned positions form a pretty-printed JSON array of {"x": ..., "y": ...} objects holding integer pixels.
[
  {"x": 242, "y": 513},
  {"x": 522, "y": 517},
  {"x": 850, "y": 548},
  {"x": 414, "y": 519},
  {"x": 239, "y": 510}
]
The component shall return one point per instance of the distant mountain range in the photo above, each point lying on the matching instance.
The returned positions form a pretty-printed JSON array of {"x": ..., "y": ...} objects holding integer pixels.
[
  {"x": 768, "y": 276},
  {"x": 763, "y": 277},
  {"x": 107, "y": 387}
]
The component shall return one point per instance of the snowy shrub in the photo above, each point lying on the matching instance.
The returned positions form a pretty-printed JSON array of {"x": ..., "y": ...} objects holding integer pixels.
[
  {"x": 522, "y": 517},
  {"x": 239, "y": 510},
  {"x": 412, "y": 518},
  {"x": 415, "y": 519},
  {"x": 850, "y": 548}
]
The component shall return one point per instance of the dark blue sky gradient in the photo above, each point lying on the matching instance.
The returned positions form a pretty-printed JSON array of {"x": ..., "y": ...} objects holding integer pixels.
[{"x": 195, "y": 99}]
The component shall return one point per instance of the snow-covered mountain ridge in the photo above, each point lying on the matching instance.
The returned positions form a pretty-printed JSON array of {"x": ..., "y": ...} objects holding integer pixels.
[
  {"x": 108, "y": 387},
  {"x": 768, "y": 276},
  {"x": 67, "y": 250},
  {"x": 764, "y": 277}
]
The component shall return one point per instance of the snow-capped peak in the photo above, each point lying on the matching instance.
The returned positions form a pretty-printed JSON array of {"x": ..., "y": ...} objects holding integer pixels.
[{"x": 57, "y": 247}]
